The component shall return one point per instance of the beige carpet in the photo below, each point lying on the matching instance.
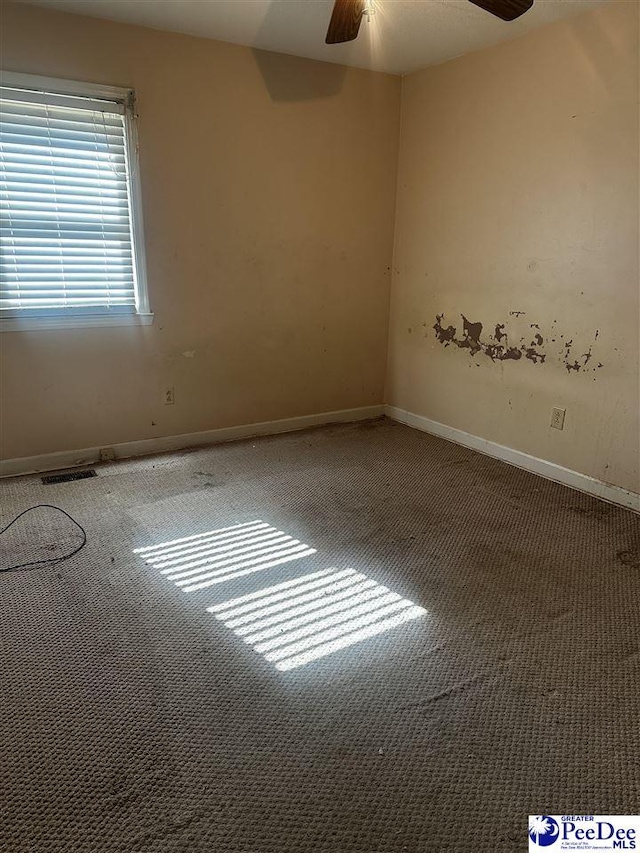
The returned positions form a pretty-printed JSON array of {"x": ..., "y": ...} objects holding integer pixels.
[{"x": 358, "y": 639}]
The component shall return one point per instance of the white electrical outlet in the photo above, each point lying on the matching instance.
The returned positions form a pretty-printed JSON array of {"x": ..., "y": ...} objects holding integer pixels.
[
  {"x": 557, "y": 418},
  {"x": 169, "y": 396}
]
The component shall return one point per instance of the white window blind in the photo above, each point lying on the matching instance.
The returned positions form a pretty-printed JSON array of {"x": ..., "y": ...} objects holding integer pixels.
[{"x": 66, "y": 239}]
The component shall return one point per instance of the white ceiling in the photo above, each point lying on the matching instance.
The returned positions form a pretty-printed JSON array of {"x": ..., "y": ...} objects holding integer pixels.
[{"x": 402, "y": 35}]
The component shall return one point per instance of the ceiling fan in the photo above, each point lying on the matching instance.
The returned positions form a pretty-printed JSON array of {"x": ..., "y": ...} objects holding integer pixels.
[{"x": 347, "y": 15}]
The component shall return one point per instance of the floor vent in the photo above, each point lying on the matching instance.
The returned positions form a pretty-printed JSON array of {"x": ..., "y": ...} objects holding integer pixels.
[{"x": 68, "y": 477}]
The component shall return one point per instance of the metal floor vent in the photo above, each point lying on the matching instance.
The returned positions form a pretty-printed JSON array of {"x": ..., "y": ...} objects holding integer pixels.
[{"x": 68, "y": 477}]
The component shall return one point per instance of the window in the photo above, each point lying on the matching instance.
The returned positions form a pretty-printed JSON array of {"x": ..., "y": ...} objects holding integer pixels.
[{"x": 71, "y": 232}]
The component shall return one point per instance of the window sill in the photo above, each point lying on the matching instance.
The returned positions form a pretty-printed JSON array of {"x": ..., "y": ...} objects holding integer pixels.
[{"x": 87, "y": 321}]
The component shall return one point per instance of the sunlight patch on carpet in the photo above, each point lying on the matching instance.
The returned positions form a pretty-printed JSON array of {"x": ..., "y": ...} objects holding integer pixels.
[
  {"x": 310, "y": 617},
  {"x": 291, "y": 623},
  {"x": 207, "y": 559}
]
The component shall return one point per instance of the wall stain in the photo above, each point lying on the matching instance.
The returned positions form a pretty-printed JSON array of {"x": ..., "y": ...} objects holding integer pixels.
[
  {"x": 535, "y": 356},
  {"x": 580, "y": 363},
  {"x": 445, "y": 336},
  {"x": 472, "y": 332},
  {"x": 498, "y": 348}
]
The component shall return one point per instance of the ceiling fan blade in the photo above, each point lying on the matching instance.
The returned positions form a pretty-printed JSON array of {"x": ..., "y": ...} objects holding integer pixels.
[
  {"x": 345, "y": 21},
  {"x": 508, "y": 10}
]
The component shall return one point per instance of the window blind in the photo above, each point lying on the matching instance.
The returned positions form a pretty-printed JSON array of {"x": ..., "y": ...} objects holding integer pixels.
[{"x": 66, "y": 228}]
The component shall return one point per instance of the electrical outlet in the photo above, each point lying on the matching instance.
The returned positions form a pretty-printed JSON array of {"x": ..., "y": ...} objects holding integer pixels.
[
  {"x": 107, "y": 454},
  {"x": 557, "y": 418},
  {"x": 169, "y": 396}
]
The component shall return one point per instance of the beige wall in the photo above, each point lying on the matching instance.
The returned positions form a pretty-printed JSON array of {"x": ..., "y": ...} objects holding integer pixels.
[
  {"x": 268, "y": 193},
  {"x": 268, "y": 245},
  {"x": 518, "y": 191}
]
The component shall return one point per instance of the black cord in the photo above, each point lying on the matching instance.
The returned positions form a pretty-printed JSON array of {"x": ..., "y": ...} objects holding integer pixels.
[{"x": 52, "y": 560}]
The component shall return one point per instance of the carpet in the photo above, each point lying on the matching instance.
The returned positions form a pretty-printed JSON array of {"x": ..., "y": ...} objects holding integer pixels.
[{"x": 354, "y": 639}]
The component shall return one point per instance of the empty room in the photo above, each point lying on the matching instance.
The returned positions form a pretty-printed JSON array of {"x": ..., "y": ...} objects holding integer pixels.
[{"x": 319, "y": 426}]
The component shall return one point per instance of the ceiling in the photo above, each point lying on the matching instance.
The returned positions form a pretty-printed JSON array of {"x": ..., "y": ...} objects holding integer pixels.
[{"x": 402, "y": 35}]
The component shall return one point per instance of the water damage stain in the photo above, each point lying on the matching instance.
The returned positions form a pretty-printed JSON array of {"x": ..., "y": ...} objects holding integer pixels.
[
  {"x": 471, "y": 335},
  {"x": 538, "y": 340},
  {"x": 580, "y": 363},
  {"x": 498, "y": 348},
  {"x": 445, "y": 336}
]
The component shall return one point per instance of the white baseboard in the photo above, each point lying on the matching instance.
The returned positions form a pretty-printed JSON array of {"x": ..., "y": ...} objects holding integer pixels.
[
  {"x": 549, "y": 470},
  {"x": 89, "y": 455}
]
